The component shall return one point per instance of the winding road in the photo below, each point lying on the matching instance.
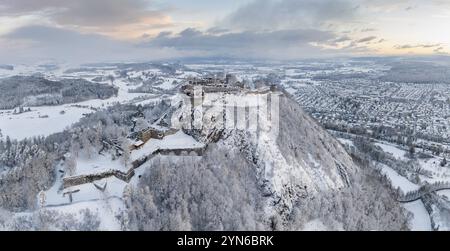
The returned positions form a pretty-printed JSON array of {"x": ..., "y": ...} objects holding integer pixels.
[{"x": 423, "y": 190}]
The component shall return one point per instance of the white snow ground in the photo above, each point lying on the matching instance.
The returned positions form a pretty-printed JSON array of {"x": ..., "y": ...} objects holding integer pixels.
[
  {"x": 397, "y": 180},
  {"x": 29, "y": 124},
  {"x": 395, "y": 151},
  {"x": 175, "y": 141},
  {"x": 315, "y": 225},
  {"x": 421, "y": 219}
]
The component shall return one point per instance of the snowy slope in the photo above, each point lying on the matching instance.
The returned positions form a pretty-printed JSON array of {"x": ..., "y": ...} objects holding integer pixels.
[{"x": 301, "y": 159}]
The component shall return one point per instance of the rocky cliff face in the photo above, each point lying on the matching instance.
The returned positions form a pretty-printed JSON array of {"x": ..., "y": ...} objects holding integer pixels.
[{"x": 301, "y": 161}]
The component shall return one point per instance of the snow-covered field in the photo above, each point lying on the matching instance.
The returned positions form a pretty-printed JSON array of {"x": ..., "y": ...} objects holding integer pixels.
[
  {"x": 46, "y": 120},
  {"x": 40, "y": 121},
  {"x": 397, "y": 180},
  {"x": 392, "y": 149},
  {"x": 421, "y": 219},
  {"x": 107, "y": 204},
  {"x": 439, "y": 173},
  {"x": 98, "y": 164}
]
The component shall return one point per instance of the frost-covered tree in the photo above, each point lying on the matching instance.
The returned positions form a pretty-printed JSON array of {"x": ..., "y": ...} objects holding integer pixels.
[
  {"x": 218, "y": 192},
  {"x": 71, "y": 166}
]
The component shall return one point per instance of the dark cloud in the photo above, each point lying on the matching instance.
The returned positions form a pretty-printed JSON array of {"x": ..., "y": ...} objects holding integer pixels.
[
  {"x": 362, "y": 44},
  {"x": 284, "y": 43},
  {"x": 440, "y": 50},
  {"x": 190, "y": 33},
  {"x": 91, "y": 13},
  {"x": 217, "y": 30},
  {"x": 409, "y": 46},
  {"x": 66, "y": 45},
  {"x": 323, "y": 15},
  {"x": 405, "y": 46},
  {"x": 366, "y": 39},
  {"x": 342, "y": 39},
  {"x": 337, "y": 41},
  {"x": 430, "y": 45},
  {"x": 195, "y": 39},
  {"x": 45, "y": 42}
]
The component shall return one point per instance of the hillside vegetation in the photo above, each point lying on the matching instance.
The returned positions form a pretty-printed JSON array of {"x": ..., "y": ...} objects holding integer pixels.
[{"x": 38, "y": 91}]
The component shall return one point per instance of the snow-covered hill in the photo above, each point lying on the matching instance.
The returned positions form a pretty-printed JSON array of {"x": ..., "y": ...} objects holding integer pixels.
[
  {"x": 196, "y": 165},
  {"x": 299, "y": 159},
  {"x": 298, "y": 175}
]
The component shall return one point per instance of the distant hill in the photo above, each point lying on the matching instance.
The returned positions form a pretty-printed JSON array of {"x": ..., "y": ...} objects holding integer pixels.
[
  {"x": 418, "y": 72},
  {"x": 6, "y": 67},
  {"x": 38, "y": 91}
]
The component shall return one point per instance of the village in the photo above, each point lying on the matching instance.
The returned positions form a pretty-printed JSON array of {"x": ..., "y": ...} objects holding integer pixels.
[{"x": 403, "y": 113}]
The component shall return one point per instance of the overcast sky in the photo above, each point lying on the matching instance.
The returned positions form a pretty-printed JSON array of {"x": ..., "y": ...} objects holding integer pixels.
[{"x": 115, "y": 30}]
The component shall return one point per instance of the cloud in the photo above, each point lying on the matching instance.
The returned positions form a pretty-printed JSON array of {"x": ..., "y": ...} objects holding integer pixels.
[
  {"x": 281, "y": 44},
  {"x": 195, "y": 39},
  {"x": 439, "y": 49},
  {"x": 44, "y": 42},
  {"x": 81, "y": 12},
  {"x": 217, "y": 30},
  {"x": 342, "y": 39},
  {"x": 385, "y": 5},
  {"x": 405, "y": 46},
  {"x": 105, "y": 16},
  {"x": 429, "y": 45},
  {"x": 366, "y": 39},
  {"x": 50, "y": 43},
  {"x": 263, "y": 20},
  {"x": 289, "y": 14},
  {"x": 409, "y": 46},
  {"x": 277, "y": 29}
]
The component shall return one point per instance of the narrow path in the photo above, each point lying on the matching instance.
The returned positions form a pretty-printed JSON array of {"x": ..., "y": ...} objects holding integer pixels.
[
  {"x": 424, "y": 190},
  {"x": 81, "y": 201}
]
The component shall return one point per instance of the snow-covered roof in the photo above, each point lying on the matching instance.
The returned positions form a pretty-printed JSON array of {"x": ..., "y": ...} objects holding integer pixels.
[{"x": 138, "y": 143}]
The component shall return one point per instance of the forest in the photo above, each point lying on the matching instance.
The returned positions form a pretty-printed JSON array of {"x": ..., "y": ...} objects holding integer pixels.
[{"x": 38, "y": 91}]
